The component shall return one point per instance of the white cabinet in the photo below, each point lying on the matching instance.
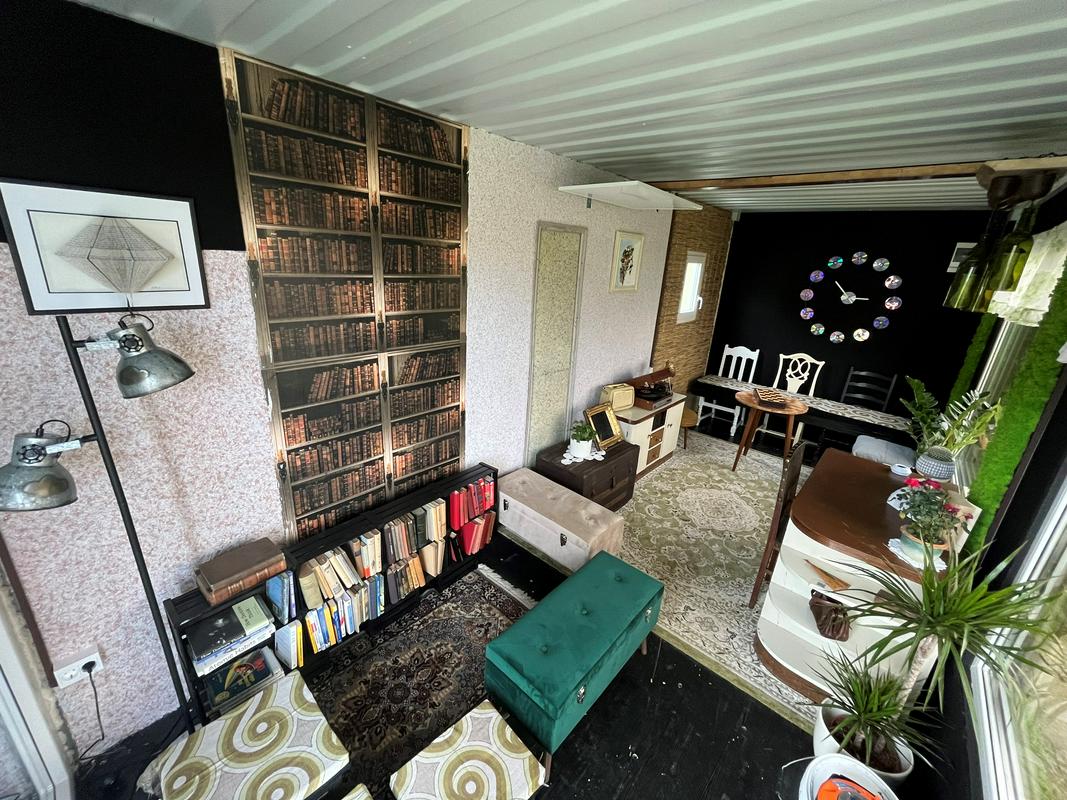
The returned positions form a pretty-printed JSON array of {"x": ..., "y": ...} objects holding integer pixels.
[{"x": 654, "y": 431}]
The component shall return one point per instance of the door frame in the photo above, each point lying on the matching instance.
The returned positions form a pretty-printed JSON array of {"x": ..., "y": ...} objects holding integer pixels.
[{"x": 583, "y": 233}]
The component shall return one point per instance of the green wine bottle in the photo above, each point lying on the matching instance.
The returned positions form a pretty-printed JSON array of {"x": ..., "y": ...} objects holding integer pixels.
[
  {"x": 1008, "y": 259},
  {"x": 965, "y": 282}
]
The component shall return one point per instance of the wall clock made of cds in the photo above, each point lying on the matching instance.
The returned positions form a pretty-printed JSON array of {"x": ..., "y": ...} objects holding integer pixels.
[{"x": 851, "y": 298}]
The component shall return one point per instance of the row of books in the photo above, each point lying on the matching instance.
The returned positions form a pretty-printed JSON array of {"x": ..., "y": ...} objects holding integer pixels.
[
  {"x": 308, "y": 497},
  {"x": 476, "y": 533},
  {"x": 220, "y": 638},
  {"x": 421, "y": 259},
  {"x": 410, "y": 219},
  {"x": 416, "y": 330},
  {"x": 328, "y": 517},
  {"x": 310, "y": 208},
  {"x": 403, "y": 402},
  {"x": 406, "y": 485},
  {"x": 308, "y": 255},
  {"x": 419, "y": 180},
  {"x": 305, "y": 157},
  {"x": 427, "y": 366},
  {"x": 349, "y": 416},
  {"x": 287, "y": 298},
  {"x": 425, "y": 456},
  {"x": 307, "y": 462},
  {"x": 416, "y": 135},
  {"x": 470, "y": 501},
  {"x": 418, "y": 430},
  {"x": 422, "y": 294},
  {"x": 325, "y": 384},
  {"x": 317, "y": 339},
  {"x": 337, "y": 599},
  {"x": 309, "y": 106}
]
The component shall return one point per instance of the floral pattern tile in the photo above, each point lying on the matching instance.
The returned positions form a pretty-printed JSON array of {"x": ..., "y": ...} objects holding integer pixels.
[{"x": 700, "y": 529}]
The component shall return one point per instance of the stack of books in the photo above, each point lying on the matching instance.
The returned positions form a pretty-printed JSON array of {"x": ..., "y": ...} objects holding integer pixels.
[
  {"x": 470, "y": 514},
  {"x": 219, "y": 639},
  {"x": 338, "y": 598},
  {"x": 239, "y": 681}
]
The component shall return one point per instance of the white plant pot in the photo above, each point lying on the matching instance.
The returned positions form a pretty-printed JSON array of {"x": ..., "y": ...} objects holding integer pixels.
[
  {"x": 581, "y": 449},
  {"x": 823, "y": 743}
]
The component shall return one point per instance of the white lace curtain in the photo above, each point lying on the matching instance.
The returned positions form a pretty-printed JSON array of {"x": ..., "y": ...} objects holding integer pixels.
[{"x": 1029, "y": 302}]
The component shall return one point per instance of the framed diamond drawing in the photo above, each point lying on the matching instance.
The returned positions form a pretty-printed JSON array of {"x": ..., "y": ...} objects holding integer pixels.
[{"x": 83, "y": 250}]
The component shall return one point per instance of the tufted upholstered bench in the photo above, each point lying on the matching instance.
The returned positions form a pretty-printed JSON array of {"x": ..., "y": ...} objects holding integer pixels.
[{"x": 551, "y": 666}]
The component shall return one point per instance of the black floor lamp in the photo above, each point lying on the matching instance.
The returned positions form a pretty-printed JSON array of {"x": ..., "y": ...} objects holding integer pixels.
[{"x": 34, "y": 480}]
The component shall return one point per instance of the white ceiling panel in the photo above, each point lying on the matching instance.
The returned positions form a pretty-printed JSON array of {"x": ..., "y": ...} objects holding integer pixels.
[
  {"x": 684, "y": 89},
  {"x": 956, "y": 193}
]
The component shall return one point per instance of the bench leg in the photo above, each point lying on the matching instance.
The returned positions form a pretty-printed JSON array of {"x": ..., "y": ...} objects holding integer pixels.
[
  {"x": 548, "y": 766},
  {"x": 644, "y": 646}
]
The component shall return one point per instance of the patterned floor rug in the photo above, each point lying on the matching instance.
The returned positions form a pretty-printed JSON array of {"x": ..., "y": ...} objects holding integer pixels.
[
  {"x": 388, "y": 695},
  {"x": 700, "y": 529}
]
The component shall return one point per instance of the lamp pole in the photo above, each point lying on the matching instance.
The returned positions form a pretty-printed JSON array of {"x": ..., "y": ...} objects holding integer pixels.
[{"x": 72, "y": 346}]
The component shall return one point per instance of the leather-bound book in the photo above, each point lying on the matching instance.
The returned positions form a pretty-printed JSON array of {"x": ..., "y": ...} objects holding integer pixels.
[{"x": 238, "y": 569}]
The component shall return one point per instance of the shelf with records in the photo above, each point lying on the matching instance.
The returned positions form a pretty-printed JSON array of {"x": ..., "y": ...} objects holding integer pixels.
[
  {"x": 425, "y": 539},
  {"x": 275, "y": 95},
  {"x": 305, "y": 157},
  {"x": 287, "y": 299},
  {"x": 314, "y": 386},
  {"x": 407, "y": 258},
  {"x": 298, "y": 255},
  {"x": 311, "y": 497},
  {"x": 318, "y": 424},
  {"x": 412, "y": 134},
  {"x": 281, "y": 204}
]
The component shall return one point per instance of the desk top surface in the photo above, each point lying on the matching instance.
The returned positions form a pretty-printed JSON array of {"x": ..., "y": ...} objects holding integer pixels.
[{"x": 842, "y": 505}]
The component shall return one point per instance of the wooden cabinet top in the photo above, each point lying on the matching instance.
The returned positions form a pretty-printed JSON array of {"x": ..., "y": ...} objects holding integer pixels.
[
  {"x": 843, "y": 506},
  {"x": 551, "y": 456},
  {"x": 634, "y": 415}
]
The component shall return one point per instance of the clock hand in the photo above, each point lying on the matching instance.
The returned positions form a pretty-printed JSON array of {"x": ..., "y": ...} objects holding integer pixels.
[
  {"x": 842, "y": 288},
  {"x": 854, "y": 299}
]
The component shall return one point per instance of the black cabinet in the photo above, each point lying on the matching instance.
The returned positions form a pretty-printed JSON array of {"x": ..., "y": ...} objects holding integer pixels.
[{"x": 609, "y": 482}]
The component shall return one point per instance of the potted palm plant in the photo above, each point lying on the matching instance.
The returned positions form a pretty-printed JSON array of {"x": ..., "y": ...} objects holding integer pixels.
[
  {"x": 932, "y": 521},
  {"x": 956, "y": 614},
  {"x": 939, "y": 435},
  {"x": 582, "y": 435}
]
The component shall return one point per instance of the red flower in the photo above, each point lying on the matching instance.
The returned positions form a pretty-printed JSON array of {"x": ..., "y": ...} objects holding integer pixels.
[
  {"x": 929, "y": 484},
  {"x": 951, "y": 509},
  {"x": 914, "y": 483}
]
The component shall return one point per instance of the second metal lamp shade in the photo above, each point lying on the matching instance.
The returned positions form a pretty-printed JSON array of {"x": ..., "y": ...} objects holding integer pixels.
[
  {"x": 143, "y": 367},
  {"x": 34, "y": 480}
]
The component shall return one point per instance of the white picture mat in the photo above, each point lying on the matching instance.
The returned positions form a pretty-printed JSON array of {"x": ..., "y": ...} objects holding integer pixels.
[{"x": 171, "y": 220}]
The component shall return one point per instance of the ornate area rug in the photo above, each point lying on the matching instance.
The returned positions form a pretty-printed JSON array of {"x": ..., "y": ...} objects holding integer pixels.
[
  {"x": 388, "y": 695},
  {"x": 700, "y": 529}
]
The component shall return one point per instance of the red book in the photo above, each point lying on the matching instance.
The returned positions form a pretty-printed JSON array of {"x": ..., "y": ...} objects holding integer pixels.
[
  {"x": 457, "y": 509},
  {"x": 490, "y": 522},
  {"x": 490, "y": 490},
  {"x": 467, "y": 536}
]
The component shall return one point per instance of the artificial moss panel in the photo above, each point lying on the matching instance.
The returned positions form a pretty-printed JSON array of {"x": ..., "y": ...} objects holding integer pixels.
[
  {"x": 975, "y": 352},
  {"x": 1024, "y": 402}
]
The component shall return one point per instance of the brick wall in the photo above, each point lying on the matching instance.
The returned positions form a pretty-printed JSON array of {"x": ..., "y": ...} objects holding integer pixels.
[{"x": 687, "y": 345}]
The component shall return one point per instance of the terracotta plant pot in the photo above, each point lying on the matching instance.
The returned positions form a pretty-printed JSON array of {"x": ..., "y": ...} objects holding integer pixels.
[
  {"x": 914, "y": 545},
  {"x": 823, "y": 743}
]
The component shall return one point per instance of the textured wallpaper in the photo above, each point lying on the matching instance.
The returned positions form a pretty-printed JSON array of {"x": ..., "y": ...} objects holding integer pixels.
[
  {"x": 197, "y": 465},
  {"x": 512, "y": 187}
]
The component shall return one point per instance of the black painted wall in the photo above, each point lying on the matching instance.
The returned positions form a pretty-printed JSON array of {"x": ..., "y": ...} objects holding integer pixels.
[
  {"x": 771, "y": 256},
  {"x": 93, "y": 100}
]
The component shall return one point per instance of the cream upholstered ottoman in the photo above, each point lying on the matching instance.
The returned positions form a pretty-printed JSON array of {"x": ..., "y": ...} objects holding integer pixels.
[
  {"x": 478, "y": 758},
  {"x": 566, "y": 527},
  {"x": 277, "y": 746}
]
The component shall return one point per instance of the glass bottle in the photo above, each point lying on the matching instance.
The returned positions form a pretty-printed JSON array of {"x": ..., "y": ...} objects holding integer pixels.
[
  {"x": 969, "y": 274},
  {"x": 1008, "y": 259}
]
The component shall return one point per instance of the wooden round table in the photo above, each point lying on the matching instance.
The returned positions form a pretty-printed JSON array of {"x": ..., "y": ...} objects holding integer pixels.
[{"x": 792, "y": 408}]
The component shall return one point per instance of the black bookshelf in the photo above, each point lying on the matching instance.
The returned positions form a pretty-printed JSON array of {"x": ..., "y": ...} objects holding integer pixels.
[
  {"x": 187, "y": 609},
  {"x": 354, "y": 210}
]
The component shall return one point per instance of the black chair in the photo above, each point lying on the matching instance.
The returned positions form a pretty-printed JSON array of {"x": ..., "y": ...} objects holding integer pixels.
[
  {"x": 868, "y": 389},
  {"x": 787, "y": 490}
]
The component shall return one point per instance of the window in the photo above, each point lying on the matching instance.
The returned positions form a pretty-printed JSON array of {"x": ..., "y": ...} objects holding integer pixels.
[{"x": 691, "y": 302}]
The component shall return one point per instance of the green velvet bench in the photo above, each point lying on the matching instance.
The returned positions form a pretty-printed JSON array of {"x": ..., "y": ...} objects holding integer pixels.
[{"x": 551, "y": 666}]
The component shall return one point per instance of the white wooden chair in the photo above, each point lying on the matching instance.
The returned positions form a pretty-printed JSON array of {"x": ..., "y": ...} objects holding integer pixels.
[
  {"x": 742, "y": 366},
  {"x": 800, "y": 373}
]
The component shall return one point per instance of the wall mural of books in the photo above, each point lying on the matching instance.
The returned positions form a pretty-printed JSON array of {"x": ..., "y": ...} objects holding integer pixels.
[{"x": 355, "y": 213}]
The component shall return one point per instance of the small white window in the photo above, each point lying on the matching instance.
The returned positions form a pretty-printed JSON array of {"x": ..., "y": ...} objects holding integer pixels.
[{"x": 691, "y": 302}]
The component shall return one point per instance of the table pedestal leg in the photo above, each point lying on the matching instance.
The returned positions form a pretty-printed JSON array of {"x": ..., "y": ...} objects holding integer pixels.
[
  {"x": 747, "y": 436},
  {"x": 788, "y": 435},
  {"x": 755, "y": 429}
]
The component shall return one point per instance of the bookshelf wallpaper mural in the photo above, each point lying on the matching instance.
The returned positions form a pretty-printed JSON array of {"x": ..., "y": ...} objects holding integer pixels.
[{"x": 354, "y": 211}]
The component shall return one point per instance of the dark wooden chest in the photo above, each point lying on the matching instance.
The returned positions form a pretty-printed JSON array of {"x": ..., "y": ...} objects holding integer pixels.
[{"x": 609, "y": 482}]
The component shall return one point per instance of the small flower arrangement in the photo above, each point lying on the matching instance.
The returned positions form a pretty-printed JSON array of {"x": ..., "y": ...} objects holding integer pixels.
[{"x": 931, "y": 517}]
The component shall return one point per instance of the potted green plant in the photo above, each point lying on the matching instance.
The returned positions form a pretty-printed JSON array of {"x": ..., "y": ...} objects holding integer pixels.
[
  {"x": 932, "y": 521},
  {"x": 867, "y": 716},
  {"x": 582, "y": 435},
  {"x": 941, "y": 435}
]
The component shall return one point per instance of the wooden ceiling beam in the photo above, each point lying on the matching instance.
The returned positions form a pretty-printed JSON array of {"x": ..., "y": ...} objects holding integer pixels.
[{"x": 922, "y": 172}]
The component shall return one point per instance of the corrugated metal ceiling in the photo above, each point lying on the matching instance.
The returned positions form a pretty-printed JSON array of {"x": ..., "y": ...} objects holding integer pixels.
[{"x": 680, "y": 89}]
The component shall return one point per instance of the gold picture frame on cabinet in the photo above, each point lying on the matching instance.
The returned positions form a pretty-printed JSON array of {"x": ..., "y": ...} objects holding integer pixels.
[{"x": 605, "y": 424}]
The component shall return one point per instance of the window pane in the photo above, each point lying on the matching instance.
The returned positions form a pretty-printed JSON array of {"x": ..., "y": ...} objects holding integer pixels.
[{"x": 689, "y": 302}]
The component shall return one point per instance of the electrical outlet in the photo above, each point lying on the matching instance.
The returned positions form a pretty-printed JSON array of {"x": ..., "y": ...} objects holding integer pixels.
[{"x": 72, "y": 670}]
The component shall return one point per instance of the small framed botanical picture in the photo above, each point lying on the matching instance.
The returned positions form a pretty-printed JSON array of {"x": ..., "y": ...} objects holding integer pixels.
[
  {"x": 81, "y": 250},
  {"x": 626, "y": 262}
]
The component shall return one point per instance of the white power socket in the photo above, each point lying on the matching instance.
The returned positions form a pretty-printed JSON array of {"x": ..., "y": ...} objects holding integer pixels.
[{"x": 71, "y": 671}]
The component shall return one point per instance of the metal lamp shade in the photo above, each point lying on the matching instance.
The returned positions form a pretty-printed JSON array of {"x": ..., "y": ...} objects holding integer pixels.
[
  {"x": 34, "y": 480},
  {"x": 144, "y": 368}
]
